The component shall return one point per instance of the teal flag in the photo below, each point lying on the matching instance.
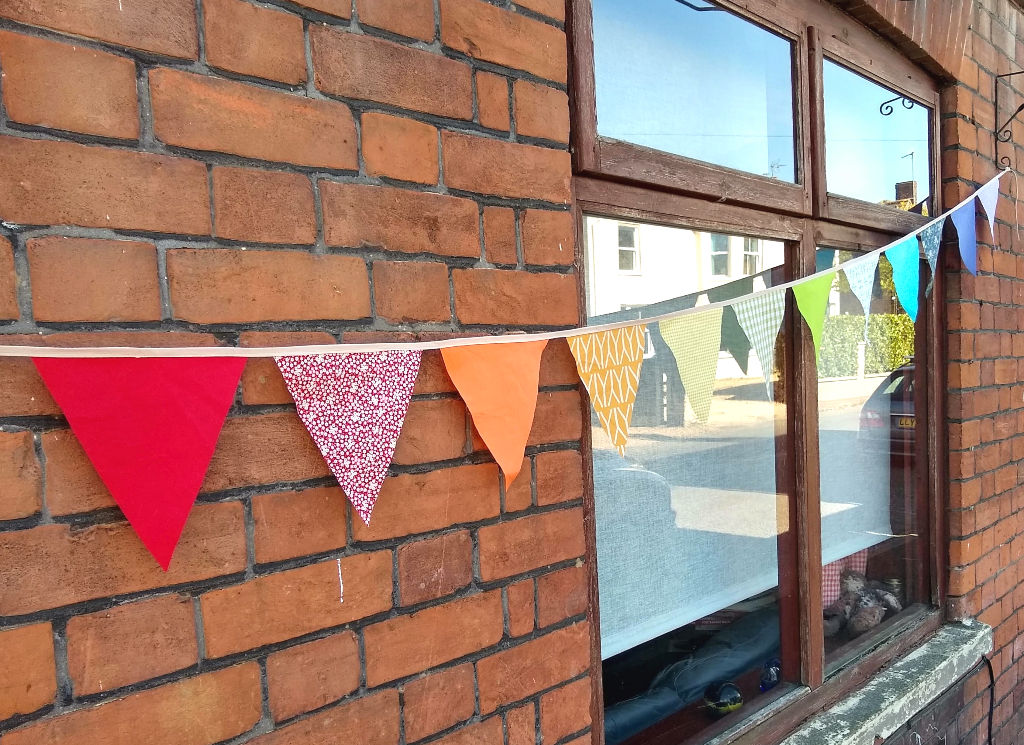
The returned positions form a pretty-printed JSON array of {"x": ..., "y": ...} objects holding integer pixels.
[{"x": 906, "y": 273}]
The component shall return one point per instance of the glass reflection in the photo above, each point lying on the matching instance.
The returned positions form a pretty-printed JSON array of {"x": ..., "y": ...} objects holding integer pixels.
[
  {"x": 702, "y": 83},
  {"x": 870, "y": 154},
  {"x": 689, "y": 519}
]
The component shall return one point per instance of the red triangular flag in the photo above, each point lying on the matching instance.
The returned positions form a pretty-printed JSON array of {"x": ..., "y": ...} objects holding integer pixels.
[
  {"x": 499, "y": 384},
  {"x": 354, "y": 406},
  {"x": 149, "y": 426}
]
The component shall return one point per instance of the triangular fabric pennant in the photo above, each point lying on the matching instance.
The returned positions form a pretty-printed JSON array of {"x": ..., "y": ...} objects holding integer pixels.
[
  {"x": 734, "y": 340},
  {"x": 354, "y": 406},
  {"x": 609, "y": 365},
  {"x": 967, "y": 232},
  {"x": 861, "y": 276},
  {"x": 812, "y": 300},
  {"x": 988, "y": 195},
  {"x": 499, "y": 384},
  {"x": 931, "y": 239},
  {"x": 150, "y": 427},
  {"x": 761, "y": 318},
  {"x": 906, "y": 273},
  {"x": 695, "y": 341}
]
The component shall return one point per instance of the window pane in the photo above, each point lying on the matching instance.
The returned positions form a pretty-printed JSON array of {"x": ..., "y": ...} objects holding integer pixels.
[
  {"x": 705, "y": 84},
  {"x": 626, "y": 260},
  {"x": 627, "y": 236},
  {"x": 867, "y": 435},
  {"x": 876, "y": 141},
  {"x": 689, "y": 521}
]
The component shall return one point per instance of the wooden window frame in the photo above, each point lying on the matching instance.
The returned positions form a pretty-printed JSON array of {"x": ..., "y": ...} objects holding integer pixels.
[{"x": 633, "y": 183}]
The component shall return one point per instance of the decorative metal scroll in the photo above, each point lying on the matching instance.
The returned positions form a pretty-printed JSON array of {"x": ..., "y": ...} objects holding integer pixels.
[
  {"x": 886, "y": 108},
  {"x": 1004, "y": 132}
]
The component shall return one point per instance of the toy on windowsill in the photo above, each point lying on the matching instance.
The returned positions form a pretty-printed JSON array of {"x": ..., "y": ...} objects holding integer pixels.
[
  {"x": 861, "y": 606},
  {"x": 722, "y": 697}
]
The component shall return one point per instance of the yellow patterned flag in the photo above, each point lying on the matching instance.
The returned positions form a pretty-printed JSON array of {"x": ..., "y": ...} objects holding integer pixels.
[
  {"x": 609, "y": 366},
  {"x": 695, "y": 340}
]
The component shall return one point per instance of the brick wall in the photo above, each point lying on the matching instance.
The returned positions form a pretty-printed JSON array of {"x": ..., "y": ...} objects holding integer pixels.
[{"x": 223, "y": 172}]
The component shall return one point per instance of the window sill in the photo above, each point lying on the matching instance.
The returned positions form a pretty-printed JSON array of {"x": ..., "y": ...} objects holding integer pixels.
[{"x": 888, "y": 701}]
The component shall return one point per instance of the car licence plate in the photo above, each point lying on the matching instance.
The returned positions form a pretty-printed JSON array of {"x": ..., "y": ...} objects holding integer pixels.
[{"x": 905, "y": 422}]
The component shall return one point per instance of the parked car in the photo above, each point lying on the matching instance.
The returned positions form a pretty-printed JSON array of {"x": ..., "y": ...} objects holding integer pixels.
[{"x": 888, "y": 414}]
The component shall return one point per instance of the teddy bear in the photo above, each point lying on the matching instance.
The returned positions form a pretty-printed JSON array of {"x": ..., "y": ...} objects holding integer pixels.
[{"x": 861, "y": 606}]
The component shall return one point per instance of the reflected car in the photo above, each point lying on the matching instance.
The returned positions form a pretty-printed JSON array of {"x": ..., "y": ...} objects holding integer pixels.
[{"x": 888, "y": 414}]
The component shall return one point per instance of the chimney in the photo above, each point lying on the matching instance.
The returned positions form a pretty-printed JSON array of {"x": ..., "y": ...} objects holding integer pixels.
[{"x": 906, "y": 190}]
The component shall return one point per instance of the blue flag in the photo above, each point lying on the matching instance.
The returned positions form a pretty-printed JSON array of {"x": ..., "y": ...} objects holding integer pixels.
[
  {"x": 906, "y": 273},
  {"x": 930, "y": 239},
  {"x": 861, "y": 276},
  {"x": 988, "y": 195},
  {"x": 964, "y": 220}
]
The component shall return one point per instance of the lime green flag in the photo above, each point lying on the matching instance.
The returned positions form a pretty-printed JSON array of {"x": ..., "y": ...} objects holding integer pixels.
[
  {"x": 695, "y": 340},
  {"x": 812, "y": 300}
]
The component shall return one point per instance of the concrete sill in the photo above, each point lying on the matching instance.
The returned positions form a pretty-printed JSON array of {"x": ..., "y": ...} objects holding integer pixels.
[{"x": 888, "y": 701}]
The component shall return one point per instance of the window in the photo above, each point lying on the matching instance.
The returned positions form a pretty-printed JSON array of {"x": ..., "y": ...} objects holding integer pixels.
[
  {"x": 748, "y": 145},
  {"x": 629, "y": 254}
]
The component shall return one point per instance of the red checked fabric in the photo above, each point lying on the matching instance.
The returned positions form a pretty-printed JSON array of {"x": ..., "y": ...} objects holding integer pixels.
[
  {"x": 858, "y": 562},
  {"x": 354, "y": 406}
]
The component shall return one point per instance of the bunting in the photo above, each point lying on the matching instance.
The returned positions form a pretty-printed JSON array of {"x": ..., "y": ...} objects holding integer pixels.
[
  {"x": 149, "y": 427},
  {"x": 354, "y": 406},
  {"x": 931, "y": 239},
  {"x": 967, "y": 232},
  {"x": 609, "y": 366},
  {"x": 861, "y": 276},
  {"x": 761, "y": 318},
  {"x": 499, "y": 384},
  {"x": 988, "y": 195},
  {"x": 906, "y": 273},
  {"x": 734, "y": 340},
  {"x": 812, "y": 300},
  {"x": 695, "y": 341}
]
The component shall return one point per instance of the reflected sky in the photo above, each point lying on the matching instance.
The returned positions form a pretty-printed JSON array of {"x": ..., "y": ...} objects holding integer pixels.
[{"x": 706, "y": 85}]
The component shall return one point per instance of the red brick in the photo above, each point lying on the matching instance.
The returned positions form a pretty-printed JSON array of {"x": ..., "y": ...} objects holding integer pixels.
[
  {"x": 263, "y": 450},
  {"x": 520, "y": 608},
  {"x": 515, "y": 298},
  {"x": 290, "y": 524},
  {"x": 400, "y": 148},
  {"x": 129, "y": 643},
  {"x": 521, "y": 671},
  {"x": 565, "y": 710},
  {"x": 370, "y": 720},
  {"x": 68, "y": 87},
  {"x": 81, "y": 279},
  {"x": 399, "y": 220},
  {"x": 312, "y": 675},
  {"x": 492, "y": 100},
  {"x": 559, "y": 418},
  {"x": 253, "y": 40},
  {"x": 288, "y": 604},
  {"x": 550, "y": 8},
  {"x": 436, "y": 702},
  {"x": 500, "y": 235},
  {"x": 410, "y": 644},
  {"x": 434, "y": 568},
  {"x": 492, "y": 34},
  {"x": 561, "y": 595},
  {"x": 167, "y": 715},
  {"x": 521, "y": 724},
  {"x": 557, "y": 365},
  {"x": 559, "y": 476},
  {"x": 369, "y": 69},
  {"x": 423, "y": 502},
  {"x": 21, "y": 476},
  {"x": 407, "y": 291},
  {"x": 505, "y": 169},
  {"x": 261, "y": 381},
  {"x": 263, "y": 206},
  {"x": 54, "y": 565},
  {"x": 28, "y": 673},
  {"x": 203, "y": 113},
  {"x": 547, "y": 238},
  {"x": 519, "y": 494},
  {"x": 433, "y": 431},
  {"x": 161, "y": 26},
  {"x": 527, "y": 543},
  {"x": 72, "y": 484},
  {"x": 235, "y": 286},
  {"x": 43, "y": 182},
  {"x": 339, "y": 8},
  {"x": 541, "y": 111},
  {"x": 433, "y": 376},
  {"x": 8, "y": 282},
  {"x": 488, "y": 732},
  {"x": 413, "y": 18}
]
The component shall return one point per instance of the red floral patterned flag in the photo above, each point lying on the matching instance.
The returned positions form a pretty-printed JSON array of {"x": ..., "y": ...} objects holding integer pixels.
[{"x": 353, "y": 406}]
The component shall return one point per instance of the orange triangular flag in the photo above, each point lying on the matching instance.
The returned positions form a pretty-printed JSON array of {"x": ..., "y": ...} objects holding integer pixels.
[{"x": 499, "y": 384}]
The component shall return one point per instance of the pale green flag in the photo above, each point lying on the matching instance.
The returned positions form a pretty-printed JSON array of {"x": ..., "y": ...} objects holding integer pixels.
[
  {"x": 812, "y": 300},
  {"x": 695, "y": 340}
]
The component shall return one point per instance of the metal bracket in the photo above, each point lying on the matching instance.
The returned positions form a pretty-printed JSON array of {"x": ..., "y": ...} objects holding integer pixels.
[
  {"x": 886, "y": 108},
  {"x": 1004, "y": 132}
]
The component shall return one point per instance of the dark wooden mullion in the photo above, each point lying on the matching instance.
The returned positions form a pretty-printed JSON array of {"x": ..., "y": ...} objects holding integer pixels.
[
  {"x": 879, "y": 216},
  {"x": 804, "y": 426},
  {"x": 582, "y": 93},
  {"x": 938, "y": 497},
  {"x": 816, "y": 115}
]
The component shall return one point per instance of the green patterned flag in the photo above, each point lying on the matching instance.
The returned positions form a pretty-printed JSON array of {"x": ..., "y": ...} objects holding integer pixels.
[
  {"x": 695, "y": 340},
  {"x": 812, "y": 300},
  {"x": 761, "y": 318}
]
